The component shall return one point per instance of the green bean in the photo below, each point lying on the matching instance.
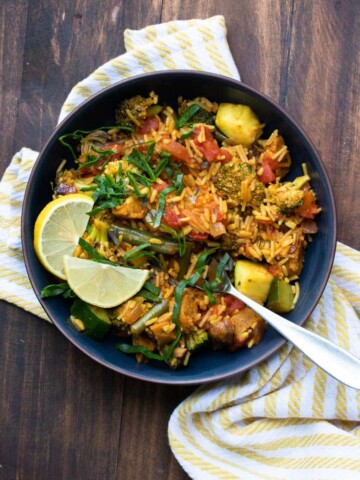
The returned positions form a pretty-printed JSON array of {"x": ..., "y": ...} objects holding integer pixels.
[
  {"x": 157, "y": 310},
  {"x": 136, "y": 237}
]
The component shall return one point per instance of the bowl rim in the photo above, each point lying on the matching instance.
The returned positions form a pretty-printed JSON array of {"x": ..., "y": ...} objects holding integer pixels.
[{"x": 120, "y": 84}]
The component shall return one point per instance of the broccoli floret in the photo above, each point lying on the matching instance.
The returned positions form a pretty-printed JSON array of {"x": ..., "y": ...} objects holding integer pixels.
[
  {"x": 196, "y": 340},
  {"x": 285, "y": 196},
  {"x": 98, "y": 232},
  {"x": 133, "y": 110},
  {"x": 229, "y": 177},
  {"x": 258, "y": 194},
  {"x": 230, "y": 242},
  {"x": 299, "y": 182},
  {"x": 228, "y": 181},
  {"x": 203, "y": 116}
]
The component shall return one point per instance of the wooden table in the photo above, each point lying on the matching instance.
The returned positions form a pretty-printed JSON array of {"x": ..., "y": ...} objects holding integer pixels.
[{"x": 62, "y": 416}]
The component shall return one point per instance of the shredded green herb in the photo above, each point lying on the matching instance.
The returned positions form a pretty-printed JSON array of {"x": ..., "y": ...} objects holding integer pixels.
[
  {"x": 179, "y": 236},
  {"x": 142, "y": 162},
  {"x": 98, "y": 161},
  {"x": 107, "y": 194},
  {"x": 151, "y": 292},
  {"x": 57, "y": 289},
  {"x": 142, "y": 180},
  {"x": 140, "y": 251},
  {"x": 223, "y": 264},
  {"x": 93, "y": 253},
  {"x": 79, "y": 135},
  {"x": 187, "y": 115},
  {"x": 164, "y": 160}
]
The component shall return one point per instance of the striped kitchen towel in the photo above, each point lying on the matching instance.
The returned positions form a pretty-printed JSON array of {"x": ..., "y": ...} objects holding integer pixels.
[{"x": 285, "y": 419}]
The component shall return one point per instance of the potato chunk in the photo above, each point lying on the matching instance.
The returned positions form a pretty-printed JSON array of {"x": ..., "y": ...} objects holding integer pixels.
[
  {"x": 239, "y": 123},
  {"x": 253, "y": 280}
]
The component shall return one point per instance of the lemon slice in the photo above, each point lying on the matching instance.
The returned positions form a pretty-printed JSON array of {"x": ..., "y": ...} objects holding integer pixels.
[
  {"x": 100, "y": 284},
  {"x": 58, "y": 229}
]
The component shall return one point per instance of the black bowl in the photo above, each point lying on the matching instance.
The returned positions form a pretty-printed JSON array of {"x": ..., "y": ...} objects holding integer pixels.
[{"x": 99, "y": 111}]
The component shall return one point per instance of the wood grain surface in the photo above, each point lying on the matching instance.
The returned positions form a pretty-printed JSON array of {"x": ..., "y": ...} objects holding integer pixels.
[{"x": 62, "y": 416}]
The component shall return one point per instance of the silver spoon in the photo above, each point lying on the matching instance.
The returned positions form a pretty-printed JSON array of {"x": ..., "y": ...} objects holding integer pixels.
[{"x": 335, "y": 361}]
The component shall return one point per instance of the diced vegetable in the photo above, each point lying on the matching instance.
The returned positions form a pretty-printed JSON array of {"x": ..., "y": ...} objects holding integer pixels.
[
  {"x": 162, "y": 332},
  {"x": 95, "y": 320},
  {"x": 309, "y": 207},
  {"x": 148, "y": 124},
  {"x": 281, "y": 296},
  {"x": 131, "y": 208},
  {"x": 239, "y": 123},
  {"x": 253, "y": 280},
  {"x": 268, "y": 170},
  {"x": 171, "y": 219},
  {"x": 225, "y": 156},
  {"x": 178, "y": 151},
  {"x": 206, "y": 143}
]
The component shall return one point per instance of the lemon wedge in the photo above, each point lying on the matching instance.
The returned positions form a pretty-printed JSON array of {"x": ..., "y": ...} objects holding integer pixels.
[
  {"x": 58, "y": 229},
  {"x": 101, "y": 284}
]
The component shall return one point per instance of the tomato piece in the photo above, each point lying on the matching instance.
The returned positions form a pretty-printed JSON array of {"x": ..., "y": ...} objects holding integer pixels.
[
  {"x": 115, "y": 147},
  {"x": 233, "y": 304},
  {"x": 170, "y": 219},
  {"x": 198, "y": 236},
  {"x": 272, "y": 162},
  {"x": 89, "y": 171},
  {"x": 149, "y": 124},
  {"x": 309, "y": 208},
  {"x": 269, "y": 165},
  {"x": 178, "y": 151},
  {"x": 225, "y": 155},
  {"x": 160, "y": 186},
  {"x": 209, "y": 147}
]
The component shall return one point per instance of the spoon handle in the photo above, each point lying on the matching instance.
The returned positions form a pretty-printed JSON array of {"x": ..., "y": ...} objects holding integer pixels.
[{"x": 337, "y": 362}]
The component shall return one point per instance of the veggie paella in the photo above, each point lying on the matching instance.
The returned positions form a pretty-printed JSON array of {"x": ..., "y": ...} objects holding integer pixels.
[{"x": 184, "y": 194}]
